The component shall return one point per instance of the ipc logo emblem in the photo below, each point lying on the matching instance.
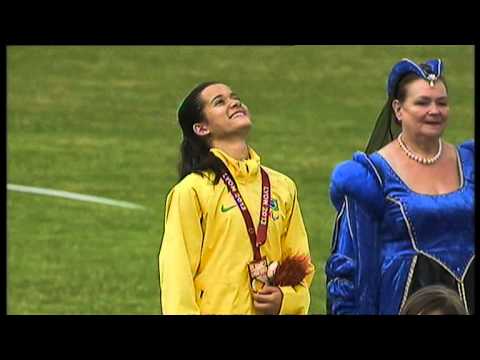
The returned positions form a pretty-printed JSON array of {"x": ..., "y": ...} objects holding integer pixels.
[{"x": 274, "y": 209}]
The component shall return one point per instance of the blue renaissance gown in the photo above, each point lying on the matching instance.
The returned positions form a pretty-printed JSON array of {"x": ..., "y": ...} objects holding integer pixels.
[{"x": 389, "y": 241}]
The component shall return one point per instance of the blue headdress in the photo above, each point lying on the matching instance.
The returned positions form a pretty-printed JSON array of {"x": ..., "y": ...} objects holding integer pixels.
[
  {"x": 386, "y": 128},
  {"x": 430, "y": 71}
]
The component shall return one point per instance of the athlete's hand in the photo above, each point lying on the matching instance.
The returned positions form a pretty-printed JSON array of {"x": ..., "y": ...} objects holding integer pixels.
[{"x": 268, "y": 301}]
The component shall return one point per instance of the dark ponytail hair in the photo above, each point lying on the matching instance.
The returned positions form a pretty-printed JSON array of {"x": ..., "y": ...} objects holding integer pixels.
[
  {"x": 195, "y": 155},
  {"x": 434, "y": 298}
]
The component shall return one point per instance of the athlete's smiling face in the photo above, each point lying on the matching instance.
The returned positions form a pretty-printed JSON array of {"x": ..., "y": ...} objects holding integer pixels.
[{"x": 224, "y": 114}]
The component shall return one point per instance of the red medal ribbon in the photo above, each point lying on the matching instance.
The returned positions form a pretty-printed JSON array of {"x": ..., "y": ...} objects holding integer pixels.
[{"x": 261, "y": 237}]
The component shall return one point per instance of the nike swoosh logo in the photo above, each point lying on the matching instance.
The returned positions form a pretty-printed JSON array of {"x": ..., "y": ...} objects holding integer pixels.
[{"x": 224, "y": 209}]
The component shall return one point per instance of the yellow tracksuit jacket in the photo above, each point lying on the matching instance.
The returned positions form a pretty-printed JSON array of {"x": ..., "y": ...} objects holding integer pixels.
[{"x": 205, "y": 249}]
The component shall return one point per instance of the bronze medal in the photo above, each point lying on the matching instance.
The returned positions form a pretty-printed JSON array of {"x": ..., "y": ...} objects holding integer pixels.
[
  {"x": 258, "y": 273},
  {"x": 258, "y": 269}
]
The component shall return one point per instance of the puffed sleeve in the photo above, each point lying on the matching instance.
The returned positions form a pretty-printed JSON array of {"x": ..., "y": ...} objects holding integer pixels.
[
  {"x": 468, "y": 145},
  {"x": 467, "y": 154},
  {"x": 352, "y": 270},
  {"x": 180, "y": 250}
]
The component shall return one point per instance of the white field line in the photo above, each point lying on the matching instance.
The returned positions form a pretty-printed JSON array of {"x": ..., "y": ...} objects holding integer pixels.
[{"x": 73, "y": 196}]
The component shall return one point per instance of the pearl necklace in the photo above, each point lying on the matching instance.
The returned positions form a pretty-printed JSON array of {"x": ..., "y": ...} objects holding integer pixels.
[{"x": 421, "y": 160}]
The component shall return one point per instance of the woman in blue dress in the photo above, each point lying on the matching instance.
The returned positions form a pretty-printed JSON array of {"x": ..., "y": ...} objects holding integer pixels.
[{"x": 406, "y": 206}]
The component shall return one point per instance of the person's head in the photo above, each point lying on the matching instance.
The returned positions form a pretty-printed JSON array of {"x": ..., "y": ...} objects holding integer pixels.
[
  {"x": 210, "y": 113},
  {"x": 420, "y": 101},
  {"x": 434, "y": 300},
  {"x": 417, "y": 103}
]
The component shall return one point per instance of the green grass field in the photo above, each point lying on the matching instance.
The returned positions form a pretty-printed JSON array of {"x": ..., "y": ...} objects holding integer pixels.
[{"x": 102, "y": 121}]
